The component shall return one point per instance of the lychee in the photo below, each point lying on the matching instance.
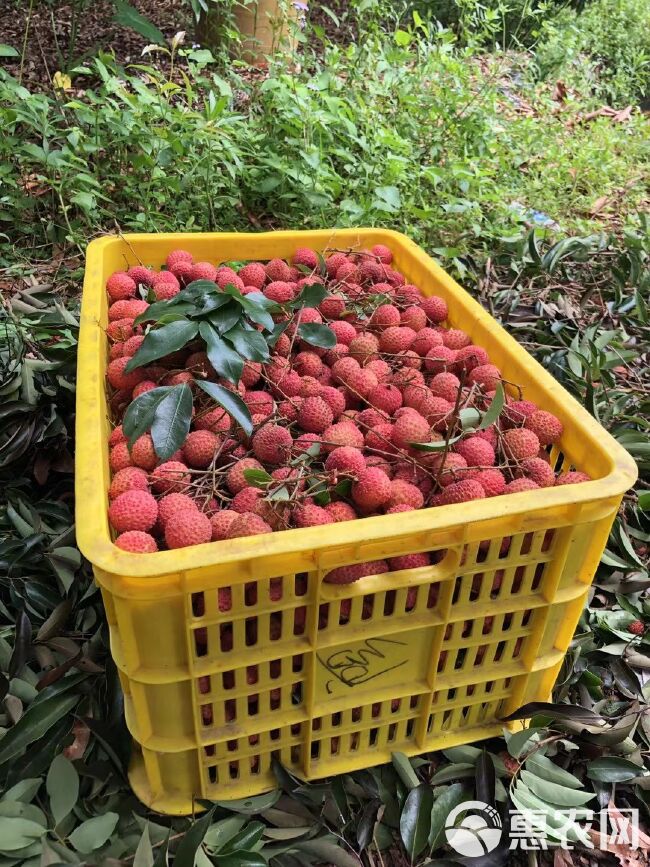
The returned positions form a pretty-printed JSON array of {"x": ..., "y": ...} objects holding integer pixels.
[
  {"x": 277, "y": 269},
  {"x": 203, "y": 271},
  {"x": 333, "y": 263},
  {"x": 486, "y": 375},
  {"x": 385, "y": 316},
  {"x": 410, "y": 428},
  {"x": 253, "y": 274},
  {"x": 520, "y": 443},
  {"x": 246, "y": 500},
  {"x": 476, "y": 451},
  {"x": 169, "y": 477},
  {"x": 309, "y": 387},
  {"x": 248, "y": 524},
  {"x": 221, "y": 522},
  {"x": 364, "y": 346},
  {"x": 492, "y": 481},
  {"x": 341, "y": 511},
  {"x": 315, "y": 415},
  {"x": 539, "y": 471},
  {"x": 454, "y": 338},
  {"x": 116, "y": 436},
  {"x": 333, "y": 397},
  {"x": 349, "y": 574},
  {"x": 133, "y": 510},
  {"x": 140, "y": 274},
  {"x": 177, "y": 256},
  {"x": 308, "y": 364},
  {"x": 404, "y": 493},
  {"x": 333, "y": 306},
  {"x": 435, "y": 308},
  {"x": 128, "y": 479},
  {"x": 279, "y": 291},
  {"x": 137, "y": 542},
  {"x": 119, "y": 378},
  {"x": 409, "y": 561},
  {"x": 120, "y": 457},
  {"x": 516, "y": 486},
  {"x": 309, "y": 515},
  {"x": 235, "y": 479},
  {"x": 169, "y": 505},
  {"x": 372, "y": 489},
  {"x": 120, "y": 330},
  {"x": 382, "y": 252},
  {"x": 546, "y": 425},
  {"x": 164, "y": 290},
  {"x": 216, "y": 420},
  {"x": 272, "y": 444},
  {"x": 306, "y": 257},
  {"x": 379, "y": 438},
  {"x": 386, "y": 398},
  {"x": 188, "y": 528},
  {"x": 440, "y": 359},
  {"x": 360, "y": 383},
  {"x": 462, "y": 492},
  {"x": 470, "y": 357},
  {"x": 516, "y": 412},
  {"x": 414, "y": 317},
  {"x": 344, "y": 331},
  {"x": 143, "y": 453},
  {"x": 445, "y": 385},
  {"x": 346, "y": 459},
  {"x": 396, "y": 339},
  {"x": 573, "y": 477},
  {"x": 120, "y": 286}
]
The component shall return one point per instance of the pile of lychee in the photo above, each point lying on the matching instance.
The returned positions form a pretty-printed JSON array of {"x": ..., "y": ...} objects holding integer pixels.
[{"x": 334, "y": 430}]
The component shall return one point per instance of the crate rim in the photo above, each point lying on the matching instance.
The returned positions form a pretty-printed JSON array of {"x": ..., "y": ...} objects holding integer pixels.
[{"x": 93, "y": 534}]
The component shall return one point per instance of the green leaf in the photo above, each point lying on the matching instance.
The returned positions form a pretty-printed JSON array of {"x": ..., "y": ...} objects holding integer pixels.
[
  {"x": 186, "y": 851},
  {"x": 16, "y": 833},
  {"x": 223, "y": 830},
  {"x": 225, "y": 360},
  {"x": 140, "y": 413},
  {"x": 22, "y": 644},
  {"x": 518, "y": 741},
  {"x": 543, "y": 767},
  {"x": 8, "y": 51},
  {"x": 415, "y": 821},
  {"x": 644, "y": 500},
  {"x": 405, "y": 770},
  {"x": 249, "y": 343},
  {"x": 163, "y": 341},
  {"x": 310, "y": 295},
  {"x": 35, "y": 722},
  {"x": 62, "y": 784},
  {"x": 231, "y": 402},
  {"x": 555, "y": 711},
  {"x": 171, "y": 421},
  {"x": 435, "y": 447},
  {"x": 469, "y": 417},
  {"x": 493, "y": 412},
  {"x": 258, "y": 479},
  {"x": 93, "y": 833},
  {"x": 317, "y": 335},
  {"x": 451, "y": 797},
  {"x": 23, "y": 791},
  {"x": 246, "y": 839},
  {"x": 129, "y": 17},
  {"x": 485, "y": 778},
  {"x": 160, "y": 309},
  {"x": 552, "y": 793},
  {"x": 226, "y": 317},
  {"x": 144, "y": 853},
  {"x": 257, "y": 306},
  {"x": 327, "y": 852},
  {"x": 611, "y": 769}
]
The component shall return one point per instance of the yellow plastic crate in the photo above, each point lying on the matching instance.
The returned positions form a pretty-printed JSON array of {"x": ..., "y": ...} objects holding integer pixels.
[{"x": 329, "y": 678}]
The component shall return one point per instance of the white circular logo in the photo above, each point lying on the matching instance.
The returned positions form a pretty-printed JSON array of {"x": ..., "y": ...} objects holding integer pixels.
[{"x": 478, "y": 832}]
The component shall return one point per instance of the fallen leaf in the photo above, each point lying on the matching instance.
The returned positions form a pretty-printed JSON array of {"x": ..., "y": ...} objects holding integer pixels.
[
  {"x": 562, "y": 858},
  {"x": 626, "y": 855},
  {"x": 78, "y": 746},
  {"x": 560, "y": 92},
  {"x": 61, "y": 81},
  {"x": 598, "y": 205}
]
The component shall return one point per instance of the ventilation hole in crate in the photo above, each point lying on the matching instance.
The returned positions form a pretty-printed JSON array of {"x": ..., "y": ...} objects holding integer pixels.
[
  {"x": 373, "y": 736},
  {"x": 517, "y": 581},
  {"x": 410, "y": 726},
  {"x": 254, "y": 765},
  {"x": 375, "y": 710},
  {"x": 507, "y": 622},
  {"x": 336, "y": 719},
  {"x": 295, "y": 754},
  {"x": 315, "y": 749},
  {"x": 274, "y": 734},
  {"x": 316, "y": 724},
  {"x": 296, "y": 693},
  {"x": 488, "y": 625},
  {"x": 356, "y": 714},
  {"x": 458, "y": 586},
  {"x": 212, "y": 773},
  {"x": 335, "y": 746},
  {"x": 251, "y": 631},
  {"x": 275, "y": 697},
  {"x": 224, "y": 599},
  {"x": 301, "y": 584},
  {"x": 275, "y": 626},
  {"x": 250, "y": 593},
  {"x": 434, "y": 593},
  {"x": 525, "y": 618},
  {"x": 275, "y": 589},
  {"x": 354, "y": 742},
  {"x": 233, "y": 770},
  {"x": 499, "y": 651},
  {"x": 460, "y": 658},
  {"x": 527, "y": 543},
  {"x": 323, "y": 615},
  {"x": 549, "y": 536},
  {"x": 253, "y": 740},
  {"x": 537, "y": 577},
  {"x": 230, "y": 709},
  {"x": 395, "y": 705},
  {"x": 206, "y": 714},
  {"x": 210, "y": 750},
  {"x": 446, "y": 720},
  {"x": 497, "y": 583},
  {"x": 228, "y": 679},
  {"x": 252, "y": 674},
  {"x": 451, "y": 693},
  {"x": 389, "y": 603},
  {"x": 518, "y": 645},
  {"x": 368, "y": 606},
  {"x": 297, "y": 663},
  {"x": 411, "y": 598},
  {"x": 232, "y": 746},
  {"x": 470, "y": 690},
  {"x": 467, "y": 628},
  {"x": 392, "y": 732},
  {"x": 201, "y": 641},
  {"x": 225, "y": 638},
  {"x": 489, "y": 686},
  {"x": 295, "y": 729},
  {"x": 344, "y": 611},
  {"x": 442, "y": 660},
  {"x": 253, "y": 704},
  {"x": 504, "y": 547},
  {"x": 198, "y": 604},
  {"x": 204, "y": 684},
  {"x": 299, "y": 620}
]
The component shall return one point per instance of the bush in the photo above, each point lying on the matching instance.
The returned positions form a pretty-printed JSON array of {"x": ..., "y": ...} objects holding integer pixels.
[{"x": 604, "y": 51}]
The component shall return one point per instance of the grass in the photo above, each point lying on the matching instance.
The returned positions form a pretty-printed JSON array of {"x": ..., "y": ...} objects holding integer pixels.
[{"x": 534, "y": 203}]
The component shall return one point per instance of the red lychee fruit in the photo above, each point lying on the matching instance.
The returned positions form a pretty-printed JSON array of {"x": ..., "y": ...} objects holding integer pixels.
[
  {"x": 137, "y": 542},
  {"x": 382, "y": 252},
  {"x": 539, "y": 471},
  {"x": 333, "y": 397},
  {"x": 454, "y": 338},
  {"x": 364, "y": 346},
  {"x": 221, "y": 522},
  {"x": 492, "y": 481},
  {"x": 349, "y": 574},
  {"x": 486, "y": 375},
  {"x": 462, "y": 492},
  {"x": 404, "y": 493},
  {"x": 177, "y": 256},
  {"x": 315, "y": 415},
  {"x": 216, "y": 420},
  {"x": 306, "y": 257},
  {"x": 128, "y": 479},
  {"x": 308, "y": 364},
  {"x": 140, "y": 274},
  {"x": 386, "y": 398},
  {"x": 309, "y": 515},
  {"x": 370, "y": 272},
  {"x": 414, "y": 317},
  {"x": 361, "y": 383},
  {"x": 440, "y": 359},
  {"x": 120, "y": 457},
  {"x": 476, "y": 451},
  {"x": 228, "y": 277},
  {"x": 203, "y": 271},
  {"x": 200, "y": 448},
  {"x": 279, "y": 291},
  {"x": 547, "y": 426},
  {"x": 235, "y": 479},
  {"x": 120, "y": 330},
  {"x": 372, "y": 489},
  {"x": 516, "y": 412},
  {"x": 277, "y": 269},
  {"x": 385, "y": 316},
  {"x": 470, "y": 357},
  {"x": 409, "y": 561},
  {"x": 333, "y": 306},
  {"x": 445, "y": 385},
  {"x": 171, "y": 476},
  {"x": 343, "y": 433},
  {"x": 120, "y": 286},
  {"x": 169, "y": 505},
  {"x": 259, "y": 402},
  {"x": 133, "y": 510},
  {"x": 341, "y": 511},
  {"x": 163, "y": 290},
  {"x": 334, "y": 262},
  {"x": 344, "y": 331},
  {"x": 516, "y": 486},
  {"x": 253, "y": 274},
  {"x": 309, "y": 387},
  {"x": 396, "y": 339},
  {"x": 117, "y": 436},
  {"x": 133, "y": 344},
  {"x": 246, "y": 500},
  {"x": 435, "y": 308},
  {"x": 573, "y": 477},
  {"x": 183, "y": 272},
  {"x": 402, "y": 507},
  {"x": 188, "y": 528},
  {"x": 272, "y": 444},
  {"x": 119, "y": 378},
  {"x": 248, "y": 524},
  {"x": 636, "y": 627},
  {"x": 451, "y": 470},
  {"x": 380, "y": 438},
  {"x": 426, "y": 339},
  {"x": 346, "y": 459},
  {"x": 410, "y": 428},
  {"x": 520, "y": 443},
  {"x": 143, "y": 453}
]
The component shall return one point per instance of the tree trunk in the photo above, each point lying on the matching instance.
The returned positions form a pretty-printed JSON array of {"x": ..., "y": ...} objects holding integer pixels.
[{"x": 264, "y": 26}]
